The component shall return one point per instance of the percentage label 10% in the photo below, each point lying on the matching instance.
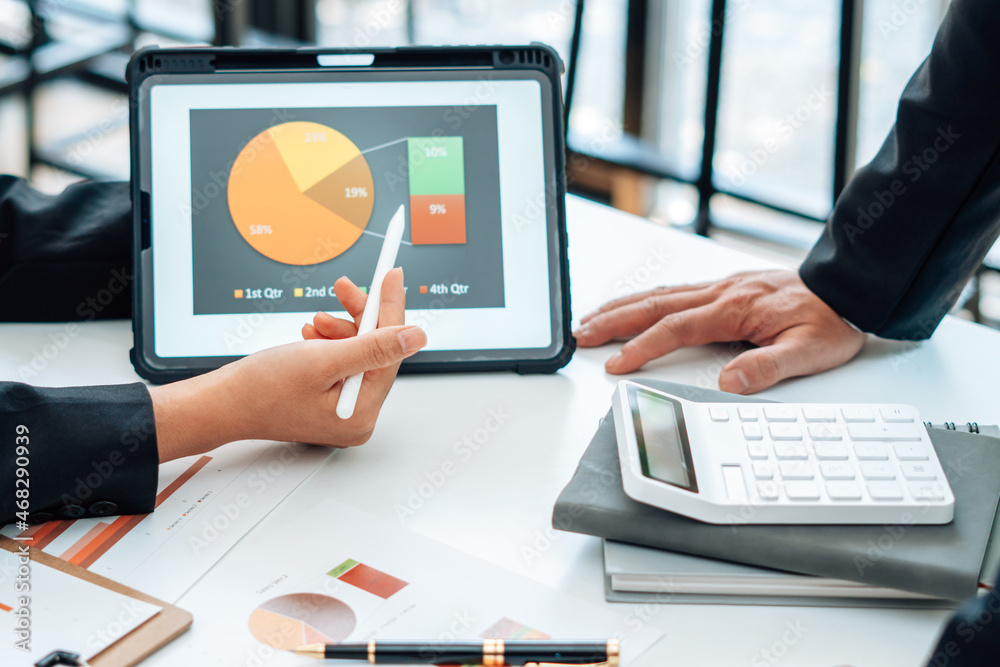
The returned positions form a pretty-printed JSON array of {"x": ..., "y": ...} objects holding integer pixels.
[
  {"x": 259, "y": 230},
  {"x": 356, "y": 192},
  {"x": 436, "y": 151}
]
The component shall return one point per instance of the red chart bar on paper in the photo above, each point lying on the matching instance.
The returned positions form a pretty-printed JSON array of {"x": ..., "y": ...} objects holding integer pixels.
[
  {"x": 367, "y": 578},
  {"x": 180, "y": 481},
  {"x": 107, "y": 539},
  {"x": 4, "y": 607},
  {"x": 44, "y": 534},
  {"x": 83, "y": 541}
]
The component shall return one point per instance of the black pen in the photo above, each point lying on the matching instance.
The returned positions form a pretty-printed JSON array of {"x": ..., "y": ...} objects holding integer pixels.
[{"x": 487, "y": 652}]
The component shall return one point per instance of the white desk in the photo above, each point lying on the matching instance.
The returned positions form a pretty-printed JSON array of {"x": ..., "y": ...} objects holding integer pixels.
[{"x": 498, "y": 506}]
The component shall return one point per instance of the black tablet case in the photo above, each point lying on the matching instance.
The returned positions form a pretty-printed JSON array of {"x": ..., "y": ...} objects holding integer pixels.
[
  {"x": 152, "y": 61},
  {"x": 940, "y": 561}
]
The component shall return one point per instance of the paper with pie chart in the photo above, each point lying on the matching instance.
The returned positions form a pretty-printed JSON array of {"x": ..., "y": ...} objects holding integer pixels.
[{"x": 301, "y": 193}]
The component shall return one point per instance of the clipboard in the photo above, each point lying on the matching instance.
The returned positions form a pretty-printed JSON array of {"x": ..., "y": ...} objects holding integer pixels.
[{"x": 137, "y": 645}]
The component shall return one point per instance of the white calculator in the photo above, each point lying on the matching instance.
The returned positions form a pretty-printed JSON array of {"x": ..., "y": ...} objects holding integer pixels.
[{"x": 773, "y": 463}]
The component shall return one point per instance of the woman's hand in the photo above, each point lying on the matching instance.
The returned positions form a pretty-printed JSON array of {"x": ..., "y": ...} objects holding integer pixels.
[{"x": 290, "y": 392}]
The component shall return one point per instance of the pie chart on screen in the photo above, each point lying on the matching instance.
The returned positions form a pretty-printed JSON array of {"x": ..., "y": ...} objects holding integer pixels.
[
  {"x": 294, "y": 620},
  {"x": 301, "y": 193}
]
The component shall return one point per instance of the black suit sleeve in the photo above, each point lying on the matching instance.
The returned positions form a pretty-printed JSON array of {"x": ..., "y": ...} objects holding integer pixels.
[
  {"x": 91, "y": 451},
  {"x": 912, "y": 226},
  {"x": 971, "y": 637},
  {"x": 65, "y": 257}
]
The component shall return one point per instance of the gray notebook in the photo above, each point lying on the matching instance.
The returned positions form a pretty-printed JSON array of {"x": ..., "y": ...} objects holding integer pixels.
[
  {"x": 937, "y": 561},
  {"x": 643, "y": 574}
]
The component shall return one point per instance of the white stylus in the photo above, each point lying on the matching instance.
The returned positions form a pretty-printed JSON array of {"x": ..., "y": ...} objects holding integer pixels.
[{"x": 369, "y": 318}]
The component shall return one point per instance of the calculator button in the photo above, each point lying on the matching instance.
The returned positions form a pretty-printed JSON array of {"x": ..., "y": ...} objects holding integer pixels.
[
  {"x": 785, "y": 431},
  {"x": 843, "y": 491},
  {"x": 871, "y": 451},
  {"x": 757, "y": 449},
  {"x": 815, "y": 413},
  {"x": 836, "y": 470},
  {"x": 884, "y": 431},
  {"x": 922, "y": 471},
  {"x": 885, "y": 491},
  {"x": 748, "y": 414},
  {"x": 878, "y": 470},
  {"x": 857, "y": 414},
  {"x": 762, "y": 470},
  {"x": 779, "y": 413},
  {"x": 790, "y": 450},
  {"x": 796, "y": 469},
  {"x": 752, "y": 432},
  {"x": 825, "y": 432},
  {"x": 736, "y": 488},
  {"x": 767, "y": 490},
  {"x": 718, "y": 413},
  {"x": 896, "y": 414},
  {"x": 830, "y": 451},
  {"x": 927, "y": 490},
  {"x": 802, "y": 491},
  {"x": 910, "y": 451}
]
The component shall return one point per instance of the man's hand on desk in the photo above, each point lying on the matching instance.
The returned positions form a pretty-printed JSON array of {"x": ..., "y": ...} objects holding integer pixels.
[
  {"x": 796, "y": 333},
  {"x": 290, "y": 392}
]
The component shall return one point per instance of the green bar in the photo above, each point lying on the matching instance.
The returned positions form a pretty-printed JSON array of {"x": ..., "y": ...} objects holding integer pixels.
[
  {"x": 437, "y": 165},
  {"x": 342, "y": 568}
]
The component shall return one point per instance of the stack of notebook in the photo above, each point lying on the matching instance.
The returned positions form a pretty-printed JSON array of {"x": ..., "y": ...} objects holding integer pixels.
[{"x": 654, "y": 555}]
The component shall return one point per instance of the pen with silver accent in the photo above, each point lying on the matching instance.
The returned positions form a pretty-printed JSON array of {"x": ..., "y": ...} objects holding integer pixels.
[{"x": 487, "y": 652}]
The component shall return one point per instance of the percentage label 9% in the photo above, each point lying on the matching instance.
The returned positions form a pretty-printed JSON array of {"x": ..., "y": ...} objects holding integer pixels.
[{"x": 438, "y": 209}]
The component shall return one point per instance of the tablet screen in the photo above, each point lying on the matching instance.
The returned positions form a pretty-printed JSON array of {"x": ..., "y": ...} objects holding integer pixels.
[{"x": 264, "y": 190}]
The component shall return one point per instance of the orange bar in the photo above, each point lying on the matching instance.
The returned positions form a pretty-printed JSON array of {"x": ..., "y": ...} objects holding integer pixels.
[
  {"x": 179, "y": 482},
  {"x": 84, "y": 541},
  {"x": 5, "y": 607},
  {"x": 51, "y": 530},
  {"x": 94, "y": 543},
  {"x": 32, "y": 530},
  {"x": 437, "y": 219},
  {"x": 110, "y": 541}
]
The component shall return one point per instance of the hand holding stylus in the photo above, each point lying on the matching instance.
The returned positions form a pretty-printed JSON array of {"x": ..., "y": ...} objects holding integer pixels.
[
  {"x": 369, "y": 319},
  {"x": 290, "y": 392}
]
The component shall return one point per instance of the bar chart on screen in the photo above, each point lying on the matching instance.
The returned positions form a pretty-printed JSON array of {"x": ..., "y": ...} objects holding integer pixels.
[{"x": 204, "y": 505}]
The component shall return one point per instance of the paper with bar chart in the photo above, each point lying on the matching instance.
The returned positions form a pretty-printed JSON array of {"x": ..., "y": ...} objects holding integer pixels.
[
  {"x": 60, "y": 611},
  {"x": 204, "y": 505},
  {"x": 335, "y": 573},
  {"x": 280, "y": 210}
]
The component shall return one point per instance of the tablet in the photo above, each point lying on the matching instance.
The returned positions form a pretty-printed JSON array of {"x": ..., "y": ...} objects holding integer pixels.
[{"x": 261, "y": 176}]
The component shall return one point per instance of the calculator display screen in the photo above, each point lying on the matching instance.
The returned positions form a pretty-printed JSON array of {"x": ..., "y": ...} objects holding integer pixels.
[{"x": 662, "y": 439}]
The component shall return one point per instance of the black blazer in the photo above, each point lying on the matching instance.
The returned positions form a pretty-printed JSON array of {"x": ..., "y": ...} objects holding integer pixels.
[
  {"x": 88, "y": 451},
  {"x": 67, "y": 257},
  {"x": 911, "y": 227}
]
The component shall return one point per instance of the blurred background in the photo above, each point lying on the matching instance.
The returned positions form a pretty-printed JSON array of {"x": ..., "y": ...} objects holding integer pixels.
[{"x": 739, "y": 119}]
